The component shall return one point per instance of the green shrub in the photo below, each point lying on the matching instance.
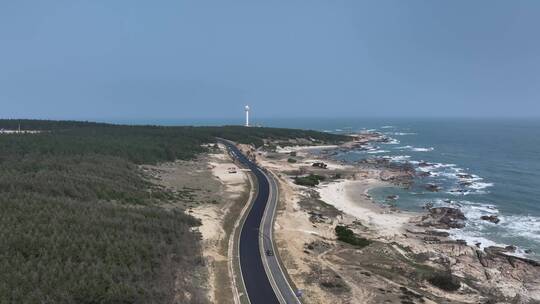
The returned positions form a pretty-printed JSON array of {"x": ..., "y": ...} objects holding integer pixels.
[
  {"x": 311, "y": 180},
  {"x": 445, "y": 281},
  {"x": 346, "y": 235},
  {"x": 291, "y": 160},
  {"x": 293, "y": 153}
]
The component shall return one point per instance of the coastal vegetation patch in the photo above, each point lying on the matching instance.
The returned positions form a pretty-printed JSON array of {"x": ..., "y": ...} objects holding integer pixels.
[
  {"x": 346, "y": 235},
  {"x": 81, "y": 223},
  {"x": 310, "y": 180},
  {"x": 445, "y": 281}
]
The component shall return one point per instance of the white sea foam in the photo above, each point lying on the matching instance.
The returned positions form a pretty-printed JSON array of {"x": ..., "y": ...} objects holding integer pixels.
[
  {"x": 364, "y": 131},
  {"x": 387, "y": 127},
  {"x": 449, "y": 175},
  {"x": 392, "y": 141},
  {"x": 431, "y": 167},
  {"x": 377, "y": 151},
  {"x": 458, "y": 192},
  {"x": 477, "y": 230},
  {"x": 480, "y": 186},
  {"x": 404, "y": 148},
  {"x": 397, "y": 158},
  {"x": 478, "y": 238},
  {"x": 473, "y": 238},
  {"x": 399, "y": 133},
  {"x": 423, "y": 149},
  {"x": 415, "y": 149},
  {"x": 466, "y": 183},
  {"x": 475, "y": 210},
  {"x": 522, "y": 225}
]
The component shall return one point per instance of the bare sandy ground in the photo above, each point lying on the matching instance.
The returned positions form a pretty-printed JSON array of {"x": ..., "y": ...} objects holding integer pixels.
[
  {"x": 217, "y": 223},
  {"x": 215, "y": 196},
  {"x": 292, "y": 230},
  {"x": 233, "y": 186}
]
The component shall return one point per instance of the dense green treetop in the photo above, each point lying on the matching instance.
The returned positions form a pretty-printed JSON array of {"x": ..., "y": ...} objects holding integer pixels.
[{"x": 139, "y": 144}]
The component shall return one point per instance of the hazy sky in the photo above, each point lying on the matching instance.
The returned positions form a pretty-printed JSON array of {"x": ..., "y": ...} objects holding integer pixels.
[{"x": 187, "y": 59}]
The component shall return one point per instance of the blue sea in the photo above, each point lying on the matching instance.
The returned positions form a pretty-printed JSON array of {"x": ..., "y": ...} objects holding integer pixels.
[{"x": 482, "y": 166}]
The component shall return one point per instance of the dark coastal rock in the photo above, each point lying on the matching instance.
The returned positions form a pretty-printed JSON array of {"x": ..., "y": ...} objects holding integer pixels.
[
  {"x": 431, "y": 239},
  {"x": 320, "y": 165},
  {"x": 375, "y": 161},
  {"x": 482, "y": 258},
  {"x": 462, "y": 191},
  {"x": 511, "y": 261},
  {"x": 527, "y": 261},
  {"x": 443, "y": 218},
  {"x": 438, "y": 233},
  {"x": 432, "y": 188},
  {"x": 510, "y": 248},
  {"x": 397, "y": 177},
  {"x": 429, "y": 232},
  {"x": 494, "y": 252},
  {"x": 448, "y": 212},
  {"x": 423, "y": 174},
  {"x": 490, "y": 218},
  {"x": 424, "y": 164},
  {"x": 392, "y": 197},
  {"x": 316, "y": 217},
  {"x": 461, "y": 242}
]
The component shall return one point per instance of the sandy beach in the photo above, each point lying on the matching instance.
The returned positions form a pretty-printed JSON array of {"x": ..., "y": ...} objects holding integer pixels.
[
  {"x": 289, "y": 149},
  {"x": 351, "y": 197}
]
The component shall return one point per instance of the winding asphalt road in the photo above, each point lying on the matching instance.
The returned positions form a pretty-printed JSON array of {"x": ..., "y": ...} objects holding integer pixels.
[{"x": 263, "y": 276}]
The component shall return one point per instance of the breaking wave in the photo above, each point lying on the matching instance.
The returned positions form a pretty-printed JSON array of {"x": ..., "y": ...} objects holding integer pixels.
[
  {"x": 398, "y": 158},
  {"x": 477, "y": 230},
  {"x": 415, "y": 149},
  {"x": 377, "y": 151},
  {"x": 399, "y": 133}
]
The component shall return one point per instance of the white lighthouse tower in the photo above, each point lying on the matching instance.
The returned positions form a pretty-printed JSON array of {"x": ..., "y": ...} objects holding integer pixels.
[{"x": 247, "y": 116}]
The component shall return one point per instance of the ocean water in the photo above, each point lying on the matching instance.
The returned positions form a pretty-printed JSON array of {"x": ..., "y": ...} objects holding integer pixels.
[{"x": 482, "y": 166}]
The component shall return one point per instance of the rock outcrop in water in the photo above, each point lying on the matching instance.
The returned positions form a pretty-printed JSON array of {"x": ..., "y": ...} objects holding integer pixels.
[
  {"x": 443, "y": 218},
  {"x": 491, "y": 218},
  {"x": 423, "y": 174},
  {"x": 432, "y": 188}
]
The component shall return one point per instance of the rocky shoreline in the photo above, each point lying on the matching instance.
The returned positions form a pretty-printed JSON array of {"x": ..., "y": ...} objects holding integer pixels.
[
  {"x": 404, "y": 174},
  {"x": 419, "y": 242}
]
